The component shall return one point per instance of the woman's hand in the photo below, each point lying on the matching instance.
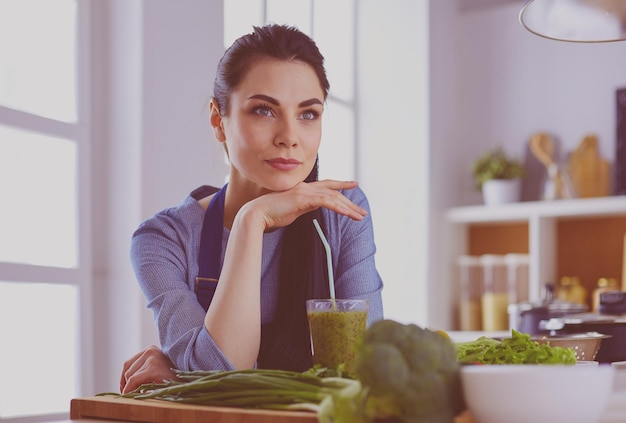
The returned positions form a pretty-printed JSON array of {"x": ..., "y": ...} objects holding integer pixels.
[
  {"x": 147, "y": 366},
  {"x": 280, "y": 209}
]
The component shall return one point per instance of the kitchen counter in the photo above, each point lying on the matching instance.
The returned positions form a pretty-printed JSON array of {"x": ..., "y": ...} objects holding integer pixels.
[{"x": 109, "y": 408}]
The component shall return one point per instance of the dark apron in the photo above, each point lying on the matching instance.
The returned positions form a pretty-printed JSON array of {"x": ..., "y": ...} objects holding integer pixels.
[{"x": 274, "y": 351}]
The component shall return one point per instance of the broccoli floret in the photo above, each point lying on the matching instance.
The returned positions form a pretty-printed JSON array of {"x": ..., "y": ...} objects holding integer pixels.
[{"x": 406, "y": 373}]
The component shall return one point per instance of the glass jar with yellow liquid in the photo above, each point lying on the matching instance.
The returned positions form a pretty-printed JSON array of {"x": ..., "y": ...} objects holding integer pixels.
[
  {"x": 470, "y": 275},
  {"x": 495, "y": 297}
]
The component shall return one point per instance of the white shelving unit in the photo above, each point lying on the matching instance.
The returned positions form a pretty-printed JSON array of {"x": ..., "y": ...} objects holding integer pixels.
[
  {"x": 526, "y": 211},
  {"x": 541, "y": 217}
]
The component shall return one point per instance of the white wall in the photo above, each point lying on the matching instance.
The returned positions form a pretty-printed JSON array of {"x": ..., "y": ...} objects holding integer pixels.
[
  {"x": 447, "y": 155},
  {"x": 513, "y": 83},
  {"x": 393, "y": 164}
]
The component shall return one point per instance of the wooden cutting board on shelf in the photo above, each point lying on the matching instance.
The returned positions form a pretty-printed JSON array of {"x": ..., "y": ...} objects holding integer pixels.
[
  {"x": 588, "y": 172},
  {"x": 156, "y": 411}
]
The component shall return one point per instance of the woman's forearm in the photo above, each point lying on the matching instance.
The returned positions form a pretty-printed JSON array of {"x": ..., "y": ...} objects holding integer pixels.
[{"x": 234, "y": 316}]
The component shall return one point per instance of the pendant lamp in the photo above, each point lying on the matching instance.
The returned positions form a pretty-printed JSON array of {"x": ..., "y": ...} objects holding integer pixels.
[{"x": 581, "y": 21}]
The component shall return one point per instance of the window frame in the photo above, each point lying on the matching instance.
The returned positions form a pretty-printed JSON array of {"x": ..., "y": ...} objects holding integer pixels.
[{"x": 79, "y": 132}]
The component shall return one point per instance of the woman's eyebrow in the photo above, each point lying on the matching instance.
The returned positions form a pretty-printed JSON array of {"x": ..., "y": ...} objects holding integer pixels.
[
  {"x": 265, "y": 98},
  {"x": 274, "y": 101},
  {"x": 310, "y": 102}
]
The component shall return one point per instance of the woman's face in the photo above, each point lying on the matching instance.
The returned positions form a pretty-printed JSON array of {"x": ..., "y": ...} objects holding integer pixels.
[{"x": 273, "y": 128}]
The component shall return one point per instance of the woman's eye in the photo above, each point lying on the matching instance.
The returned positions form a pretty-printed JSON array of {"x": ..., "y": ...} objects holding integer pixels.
[
  {"x": 263, "y": 111},
  {"x": 310, "y": 115}
]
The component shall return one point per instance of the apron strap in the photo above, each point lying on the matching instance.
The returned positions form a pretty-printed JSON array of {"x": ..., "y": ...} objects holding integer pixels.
[{"x": 210, "y": 253}]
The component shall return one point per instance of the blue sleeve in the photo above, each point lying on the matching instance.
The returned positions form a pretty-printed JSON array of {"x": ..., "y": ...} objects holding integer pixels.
[
  {"x": 163, "y": 258},
  {"x": 353, "y": 250}
]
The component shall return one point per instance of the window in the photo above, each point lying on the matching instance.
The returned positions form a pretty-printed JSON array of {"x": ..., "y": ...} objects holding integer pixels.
[
  {"x": 43, "y": 180},
  {"x": 332, "y": 26}
]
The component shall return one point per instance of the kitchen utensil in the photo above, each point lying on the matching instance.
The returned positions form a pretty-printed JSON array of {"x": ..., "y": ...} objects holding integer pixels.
[
  {"x": 542, "y": 146},
  {"x": 527, "y": 316},
  {"x": 532, "y": 314},
  {"x": 604, "y": 285},
  {"x": 612, "y": 302},
  {"x": 612, "y": 349},
  {"x": 589, "y": 173},
  {"x": 133, "y": 410},
  {"x": 586, "y": 345},
  {"x": 557, "y": 183}
]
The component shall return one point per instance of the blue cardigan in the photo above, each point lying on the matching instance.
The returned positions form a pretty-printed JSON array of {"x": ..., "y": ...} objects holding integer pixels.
[{"x": 164, "y": 254}]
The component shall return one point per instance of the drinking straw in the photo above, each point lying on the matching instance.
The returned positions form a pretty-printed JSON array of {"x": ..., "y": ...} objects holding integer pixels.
[{"x": 329, "y": 259}]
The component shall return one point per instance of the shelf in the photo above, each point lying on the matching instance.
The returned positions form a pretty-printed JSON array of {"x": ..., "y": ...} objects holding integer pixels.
[
  {"x": 577, "y": 237},
  {"x": 524, "y": 211}
]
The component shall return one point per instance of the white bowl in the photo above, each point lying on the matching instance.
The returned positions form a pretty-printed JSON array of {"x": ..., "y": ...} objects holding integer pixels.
[{"x": 535, "y": 393}]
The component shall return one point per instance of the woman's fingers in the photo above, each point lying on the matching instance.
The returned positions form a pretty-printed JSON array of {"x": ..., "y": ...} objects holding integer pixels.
[
  {"x": 130, "y": 366},
  {"x": 147, "y": 366},
  {"x": 282, "y": 208},
  {"x": 338, "y": 202}
]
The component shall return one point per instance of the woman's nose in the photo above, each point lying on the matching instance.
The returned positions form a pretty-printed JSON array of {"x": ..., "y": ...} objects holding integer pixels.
[{"x": 287, "y": 136}]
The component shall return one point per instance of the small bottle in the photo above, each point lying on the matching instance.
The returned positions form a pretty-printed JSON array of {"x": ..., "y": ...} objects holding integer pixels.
[
  {"x": 564, "y": 289},
  {"x": 578, "y": 293},
  {"x": 604, "y": 285}
]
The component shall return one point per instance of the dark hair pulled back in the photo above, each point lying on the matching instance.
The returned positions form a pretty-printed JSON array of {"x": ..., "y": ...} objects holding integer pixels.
[{"x": 273, "y": 41}]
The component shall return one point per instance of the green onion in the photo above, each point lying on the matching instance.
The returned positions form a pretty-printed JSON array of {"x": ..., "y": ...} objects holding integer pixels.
[{"x": 250, "y": 388}]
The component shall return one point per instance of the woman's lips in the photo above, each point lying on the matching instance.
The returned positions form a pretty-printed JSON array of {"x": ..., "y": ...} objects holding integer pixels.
[{"x": 284, "y": 164}]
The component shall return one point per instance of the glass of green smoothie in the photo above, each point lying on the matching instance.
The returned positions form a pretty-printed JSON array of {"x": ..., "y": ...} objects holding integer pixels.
[{"x": 336, "y": 326}]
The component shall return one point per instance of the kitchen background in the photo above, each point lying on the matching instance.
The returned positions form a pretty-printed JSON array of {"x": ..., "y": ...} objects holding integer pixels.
[{"x": 436, "y": 84}]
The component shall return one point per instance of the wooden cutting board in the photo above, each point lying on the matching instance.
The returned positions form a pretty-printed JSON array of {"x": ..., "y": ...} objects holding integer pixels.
[
  {"x": 589, "y": 173},
  {"x": 155, "y": 411}
]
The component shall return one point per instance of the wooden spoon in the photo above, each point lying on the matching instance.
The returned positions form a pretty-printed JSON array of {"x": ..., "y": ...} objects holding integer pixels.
[{"x": 542, "y": 146}]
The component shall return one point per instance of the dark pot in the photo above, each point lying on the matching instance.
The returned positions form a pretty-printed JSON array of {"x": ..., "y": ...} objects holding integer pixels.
[{"x": 527, "y": 317}]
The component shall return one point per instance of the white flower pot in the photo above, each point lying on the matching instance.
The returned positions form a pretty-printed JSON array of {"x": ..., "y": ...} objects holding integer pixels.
[{"x": 501, "y": 191}]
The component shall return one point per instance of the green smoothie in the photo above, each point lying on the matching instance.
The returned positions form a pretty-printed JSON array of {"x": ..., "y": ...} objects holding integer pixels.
[{"x": 334, "y": 335}]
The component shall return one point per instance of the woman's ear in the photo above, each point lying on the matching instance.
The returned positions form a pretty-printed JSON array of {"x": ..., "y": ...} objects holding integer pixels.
[{"x": 216, "y": 121}]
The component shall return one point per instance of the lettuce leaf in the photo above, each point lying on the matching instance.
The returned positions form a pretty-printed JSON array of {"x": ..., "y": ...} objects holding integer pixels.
[{"x": 518, "y": 349}]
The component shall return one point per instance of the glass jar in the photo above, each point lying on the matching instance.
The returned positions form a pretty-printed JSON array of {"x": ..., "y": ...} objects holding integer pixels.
[
  {"x": 517, "y": 277},
  {"x": 495, "y": 297},
  {"x": 470, "y": 292}
]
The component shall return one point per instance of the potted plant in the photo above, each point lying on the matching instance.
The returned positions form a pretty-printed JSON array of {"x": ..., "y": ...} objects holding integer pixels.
[{"x": 498, "y": 176}]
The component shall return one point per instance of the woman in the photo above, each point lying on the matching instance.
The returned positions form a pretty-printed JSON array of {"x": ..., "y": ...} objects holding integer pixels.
[{"x": 256, "y": 234}]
